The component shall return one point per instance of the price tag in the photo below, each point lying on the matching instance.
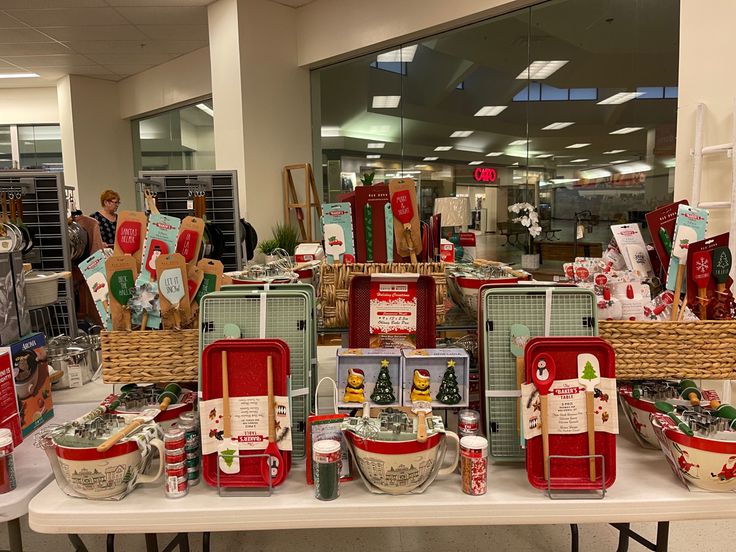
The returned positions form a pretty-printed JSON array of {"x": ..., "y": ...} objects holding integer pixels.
[
  {"x": 74, "y": 372},
  {"x": 190, "y": 204}
]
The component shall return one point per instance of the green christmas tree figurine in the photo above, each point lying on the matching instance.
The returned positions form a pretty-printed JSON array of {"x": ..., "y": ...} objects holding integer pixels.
[
  {"x": 383, "y": 392},
  {"x": 449, "y": 393}
]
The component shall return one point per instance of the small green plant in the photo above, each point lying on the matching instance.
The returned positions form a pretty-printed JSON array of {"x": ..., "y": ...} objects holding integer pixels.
[
  {"x": 267, "y": 247},
  {"x": 286, "y": 236},
  {"x": 367, "y": 179}
]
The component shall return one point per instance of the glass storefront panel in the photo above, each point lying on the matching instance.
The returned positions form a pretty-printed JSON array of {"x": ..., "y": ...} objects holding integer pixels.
[
  {"x": 40, "y": 147},
  {"x": 6, "y": 152}
]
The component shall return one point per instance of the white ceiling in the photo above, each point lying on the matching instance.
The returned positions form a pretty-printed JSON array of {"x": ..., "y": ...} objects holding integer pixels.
[{"x": 105, "y": 39}]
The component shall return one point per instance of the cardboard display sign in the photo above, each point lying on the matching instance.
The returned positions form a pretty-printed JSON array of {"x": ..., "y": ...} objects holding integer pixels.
[
  {"x": 704, "y": 264},
  {"x": 408, "y": 237},
  {"x": 368, "y": 219},
  {"x": 122, "y": 271},
  {"x": 337, "y": 228},
  {"x": 173, "y": 291},
  {"x": 661, "y": 223},
  {"x": 160, "y": 239},
  {"x": 130, "y": 235},
  {"x": 189, "y": 242},
  {"x": 93, "y": 270}
]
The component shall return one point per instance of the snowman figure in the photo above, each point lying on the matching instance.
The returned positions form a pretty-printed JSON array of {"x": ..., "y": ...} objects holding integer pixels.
[{"x": 542, "y": 371}]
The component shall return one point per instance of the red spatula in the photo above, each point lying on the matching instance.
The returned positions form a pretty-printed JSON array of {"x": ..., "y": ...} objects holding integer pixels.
[
  {"x": 273, "y": 468},
  {"x": 700, "y": 271},
  {"x": 543, "y": 374},
  {"x": 404, "y": 211}
]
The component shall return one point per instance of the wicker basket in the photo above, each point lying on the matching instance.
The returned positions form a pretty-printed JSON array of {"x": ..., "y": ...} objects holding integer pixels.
[
  {"x": 150, "y": 356},
  {"x": 335, "y": 283},
  {"x": 672, "y": 350}
]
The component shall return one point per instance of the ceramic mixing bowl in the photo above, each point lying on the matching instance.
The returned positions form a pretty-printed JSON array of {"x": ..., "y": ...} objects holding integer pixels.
[
  {"x": 705, "y": 462},
  {"x": 637, "y": 412}
]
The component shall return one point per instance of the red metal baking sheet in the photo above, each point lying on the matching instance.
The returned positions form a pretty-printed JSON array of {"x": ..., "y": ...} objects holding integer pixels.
[
  {"x": 246, "y": 378},
  {"x": 570, "y": 474},
  {"x": 359, "y": 300}
]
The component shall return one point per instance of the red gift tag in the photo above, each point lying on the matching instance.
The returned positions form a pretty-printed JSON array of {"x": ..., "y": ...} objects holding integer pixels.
[
  {"x": 187, "y": 244},
  {"x": 129, "y": 236}
]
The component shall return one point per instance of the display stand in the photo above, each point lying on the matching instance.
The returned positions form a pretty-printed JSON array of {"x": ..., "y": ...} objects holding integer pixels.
[{"x": 246, "y": 491}]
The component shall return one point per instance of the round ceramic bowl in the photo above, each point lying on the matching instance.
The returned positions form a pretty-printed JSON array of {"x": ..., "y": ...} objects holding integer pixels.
[
  {"x": 637, "y": 412},
  {"x": 707, "y": 463},
  {"x": 400, "y": 467},
  {"x": 100, "y": 475}
]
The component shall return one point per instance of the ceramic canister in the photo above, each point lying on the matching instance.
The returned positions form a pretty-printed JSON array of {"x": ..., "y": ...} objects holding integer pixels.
[{"x": 474, "y": 464}]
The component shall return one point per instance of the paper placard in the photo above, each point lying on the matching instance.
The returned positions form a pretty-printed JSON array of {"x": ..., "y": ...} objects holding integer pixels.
[
  {"x": 566, "y": 408},
  {"x": 248, "y": 423},
  {"x": 393, "y": 307}
]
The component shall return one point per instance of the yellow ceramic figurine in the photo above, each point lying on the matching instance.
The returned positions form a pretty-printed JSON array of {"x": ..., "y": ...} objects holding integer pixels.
[
  {"x": 355, "y": 388},
  {"x": 420, "y": 386}
]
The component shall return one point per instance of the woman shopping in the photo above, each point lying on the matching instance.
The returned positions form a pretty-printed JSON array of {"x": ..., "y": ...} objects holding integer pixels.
[{"x": 107, "y": 216}]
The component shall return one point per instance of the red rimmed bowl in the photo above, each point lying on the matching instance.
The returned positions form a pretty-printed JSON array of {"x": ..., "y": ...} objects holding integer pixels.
[
  {"x": 637, "y": 412},
  {"x": 401, "y": 467},
  {"x": 707, "y": 463}
]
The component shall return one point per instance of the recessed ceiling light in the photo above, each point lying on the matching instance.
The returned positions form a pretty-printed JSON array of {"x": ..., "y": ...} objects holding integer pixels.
[
  {"x": 613, "y": 152},
  {"x": 430, "y": 159},
  {"x": 330, "y": 131},
  {"x": 443, "y": 148},
  {"x": 539, "y": 70},
  {"x": 461, "y": 134},
  {"x": 405, "y": 54},
  {"x": 557, "y": 126},
  {"x": 515, "y": 164},
  {"x": 633, "y": 167},
  {"x": 490, "y": 110},
  {"x": 18, "y": 75},
  {"x": 386, "y": 102},
  {"x": 519, "y": 142},
  {"x": 376, "y": 145},
  {"x": 494, "y": 154},
  {"x": 576, "y": 146},
  {"x": 619, "y": 161},
  {"x": 626, "y": 130},
  {"x": 563, "y": 180},
  {"x": 595, "y": 173},
  {"x": 545, "y": 155},
  {"x": 475, "y": 163},
  {"x": 372, "y": 156},
  {"x": 577, "y": 160},
  {"x": 207, "y": 109},
  {"x": 621, "y": 97}
]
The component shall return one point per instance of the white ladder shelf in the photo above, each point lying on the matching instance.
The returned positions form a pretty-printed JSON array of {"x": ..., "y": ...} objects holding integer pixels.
[{"x": 698, "y": 153}]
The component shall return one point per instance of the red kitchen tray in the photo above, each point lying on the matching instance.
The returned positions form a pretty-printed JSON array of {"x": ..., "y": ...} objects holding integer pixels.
[
  {"x": 359, "y": 300},
  {"x": 570, "y": 473},
  {"x": 246, "y": 377}
]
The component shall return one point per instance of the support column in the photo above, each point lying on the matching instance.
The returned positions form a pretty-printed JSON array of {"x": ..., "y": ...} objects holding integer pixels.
[
  {"x": 96, "y": 143},
  {"x": 261, "y": 102}
]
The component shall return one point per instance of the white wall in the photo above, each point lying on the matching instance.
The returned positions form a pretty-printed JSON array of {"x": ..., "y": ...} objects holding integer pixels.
[
  {"x": 178, "y": 81},
  {"x": 96, "y": 143},
  {"x": 337, "y": 29},
  {"x": 28, "y": 106},
  {"x": 706, "y": 75}
]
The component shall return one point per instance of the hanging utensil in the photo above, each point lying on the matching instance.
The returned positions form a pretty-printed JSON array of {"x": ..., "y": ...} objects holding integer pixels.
[
  {"x": 589, "y": 375},
  {"x": 543, "y": 375},
  {"x": 6, "y": 238},
  {"x": 273, "y": 468},
  {"x": 700, "y": 272},
  {"x": 519, "y": 336},
  {"x": 403, "y": 210}
]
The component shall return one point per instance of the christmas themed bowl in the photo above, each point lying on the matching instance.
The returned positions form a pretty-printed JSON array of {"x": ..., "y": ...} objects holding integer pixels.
[
  {"x": 705, "y": 462},
  {"x": 637, "y": 411},
  {"x": 391, "y": 459}
]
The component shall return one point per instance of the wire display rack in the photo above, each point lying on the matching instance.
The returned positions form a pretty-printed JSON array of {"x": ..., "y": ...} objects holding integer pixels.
[
  {"x": 44, "y": 213},
  {"x": 174, "y": 189},
  {"x": 572, "y": 313}
]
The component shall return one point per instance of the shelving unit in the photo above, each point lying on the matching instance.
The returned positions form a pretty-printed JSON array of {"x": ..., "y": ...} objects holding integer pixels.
[
  {"x": 173, "y": 191},
  {"x": 44, "y": 213}
]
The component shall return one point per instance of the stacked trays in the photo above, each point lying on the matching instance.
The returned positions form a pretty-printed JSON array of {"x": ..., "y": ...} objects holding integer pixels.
[
  {"x": 572, "y": 312},
  {"x": 287, "y": 313}
]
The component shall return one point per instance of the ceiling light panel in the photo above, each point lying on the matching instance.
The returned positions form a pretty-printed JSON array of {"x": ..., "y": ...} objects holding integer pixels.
[
  {"x": 545, "y": 156},
  {"x": 18, "y": 75},
  {"x": 577, "y": 146},
  {"x": 519, "y": 142},
  {"x": 461, "y": 134},
  {"x": 494, "y": 154},
  {"x": 613, "y": 152},
  {"x": 490, "y": 110},
  {"x": 578, "y": 160},
  {"x": 557, "y": 126},
  {"x": 430, "y": 159},
  {"x": 386, "y": 102},
  {"x": 376, "y": 145},
  {"x": 405, "y": 55},
  {"x": 595, "y": 173},
  {"x": 330, "y": 131},
  {"x": 626, "y": 130},
  {"x": 633, "y": 167},
  {"x": 374, "y": 156},
  {"x": 621, "y": 97},
  {"x": 475, "y": 163},
  {"x": 443, "y": 148},
  {"x": 539, "y": 70}
]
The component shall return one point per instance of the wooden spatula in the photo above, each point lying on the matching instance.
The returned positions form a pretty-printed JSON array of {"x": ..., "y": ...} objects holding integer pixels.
[
  {"x": 589, "y": 375},
  {"x": 404, "y": 211}
]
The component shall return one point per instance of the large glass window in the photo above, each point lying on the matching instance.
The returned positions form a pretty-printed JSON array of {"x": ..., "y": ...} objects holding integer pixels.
[
  {"x": 40, "y": 147},
  {"x": 571, "y": 103},
  {"x": 180, "y": 139},
  {"x": 6, "y": 149}
]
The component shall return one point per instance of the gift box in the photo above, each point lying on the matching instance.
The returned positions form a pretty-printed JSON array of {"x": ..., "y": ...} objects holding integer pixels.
[
  {"x": 440, "y": 376},
  {"x": 9, "y": 418},
  {"x": 368, "y": 375}
]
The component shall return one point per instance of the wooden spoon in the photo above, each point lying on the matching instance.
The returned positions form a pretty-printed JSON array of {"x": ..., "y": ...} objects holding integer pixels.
[
  {"x": 273, "y": 468},
  {"x": 543, "y": 375}
]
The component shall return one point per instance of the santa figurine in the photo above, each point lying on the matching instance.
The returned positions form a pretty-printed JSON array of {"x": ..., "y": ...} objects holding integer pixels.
[
  {"x": 355, "y": 388},
  {"x": 420, "y": 386}
]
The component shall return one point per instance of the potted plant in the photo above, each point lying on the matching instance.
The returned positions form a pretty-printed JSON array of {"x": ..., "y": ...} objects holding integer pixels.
[
  {"x": 287, "y": 238},
  {"x": 367, "y": 178},
  {"x": 528, "y": 217},
  {"x": 267, "y": 247}
]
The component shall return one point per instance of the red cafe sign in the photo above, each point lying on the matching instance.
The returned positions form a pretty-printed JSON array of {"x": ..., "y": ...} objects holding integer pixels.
[{"x": 485, "y": 175}]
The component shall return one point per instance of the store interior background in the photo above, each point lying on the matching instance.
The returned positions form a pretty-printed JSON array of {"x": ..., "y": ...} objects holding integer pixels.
[{"x": 121, "y": 81}]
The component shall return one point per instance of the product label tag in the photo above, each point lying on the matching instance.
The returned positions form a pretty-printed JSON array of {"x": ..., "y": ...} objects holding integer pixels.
[
  {"x": 393, "y": 308},
  {"x": 74, "y": 372}
]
